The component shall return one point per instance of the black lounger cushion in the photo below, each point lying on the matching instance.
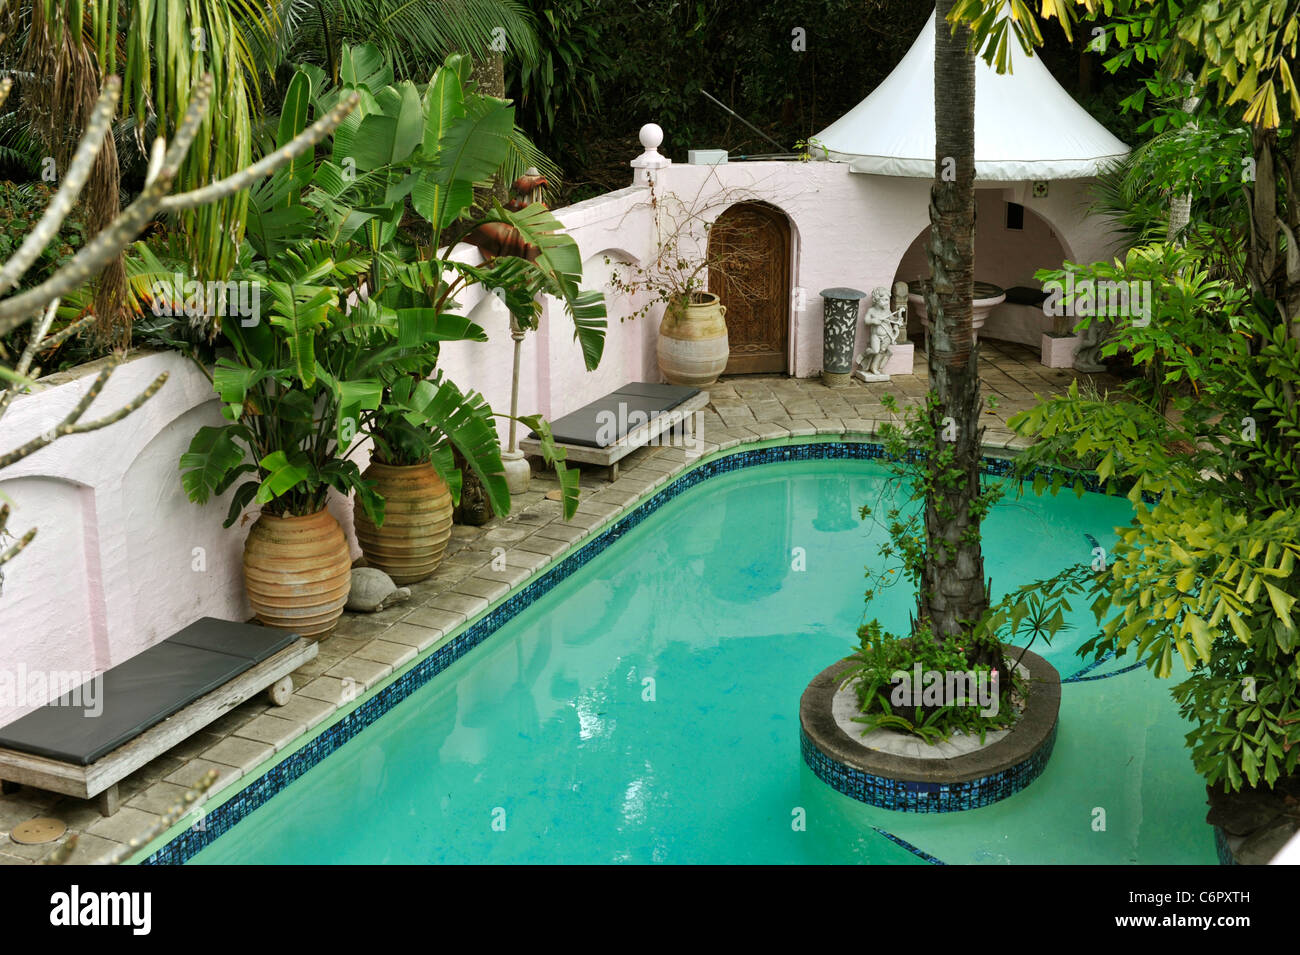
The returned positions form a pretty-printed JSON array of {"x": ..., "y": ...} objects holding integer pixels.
[
  {"x": 583, "y": 426},
  {"x": 145, "y": 690},
  {"x": 1025, "y": 295}
]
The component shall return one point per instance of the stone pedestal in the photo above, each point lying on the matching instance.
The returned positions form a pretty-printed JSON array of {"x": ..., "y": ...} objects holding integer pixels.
[
  {"x": 518, "y": 472},
  {"x": 1058, "y": 350},
  {"x": 901, "y": 359},
  {"x": 839, "y": 329}
]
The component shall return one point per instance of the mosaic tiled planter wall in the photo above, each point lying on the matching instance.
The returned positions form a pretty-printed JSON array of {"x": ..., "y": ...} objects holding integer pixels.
[{"x": 976, "y": 779}]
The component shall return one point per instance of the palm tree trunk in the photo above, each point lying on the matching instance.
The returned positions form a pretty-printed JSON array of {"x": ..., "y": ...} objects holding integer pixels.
[
  {"x": 489, "y": 72},
  {"x": 953, "y": 593}
]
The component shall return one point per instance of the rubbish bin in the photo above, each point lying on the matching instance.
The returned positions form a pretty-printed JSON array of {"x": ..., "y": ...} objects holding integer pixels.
[{"x": 839, "y": 330}]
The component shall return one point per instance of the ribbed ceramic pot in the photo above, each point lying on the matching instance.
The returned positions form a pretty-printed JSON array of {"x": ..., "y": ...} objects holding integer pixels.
[
  {"x": 417, "y": 521},
  {"x": 298, "y": 572},
  {"x": 693, "y": 345}
]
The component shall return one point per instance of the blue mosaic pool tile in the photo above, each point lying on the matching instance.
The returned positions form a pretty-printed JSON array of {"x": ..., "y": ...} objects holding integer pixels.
[
  {"x": 224, "y": 817},
  {"x": 919, "y": 853},
  {"x": 910, "y": 796}
]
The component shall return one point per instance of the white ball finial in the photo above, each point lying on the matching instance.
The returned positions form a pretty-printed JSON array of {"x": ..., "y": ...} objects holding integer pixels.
[
  {"x": 650, "y": 160},
  {"x": 651, "y": 136}
]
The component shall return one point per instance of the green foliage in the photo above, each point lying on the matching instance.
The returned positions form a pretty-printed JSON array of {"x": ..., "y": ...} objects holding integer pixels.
[
  {"x": 1172, "y": 325},
  {"x": 1203, "y": 156},
  {"x": 358, "y": 315},
  {"x": 925, "y": 473},
  {"x": 563, "y": 86},
  {"x": 1237, "y": 49},
  {"x": 1205, "y": 573},
  {"x": 415, "y": 37},
  {"x": 21, "y": 207},
  {"x": 275, "y": 390},
  {"x": 883, "y": 661}
]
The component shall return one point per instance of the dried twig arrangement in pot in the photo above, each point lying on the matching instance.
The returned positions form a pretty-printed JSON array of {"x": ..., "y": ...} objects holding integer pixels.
[{"x": 693, "y": 343}]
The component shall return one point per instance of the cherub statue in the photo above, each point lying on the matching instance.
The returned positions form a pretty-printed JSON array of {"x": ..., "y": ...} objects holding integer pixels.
[{"x": 882, "y": 327}]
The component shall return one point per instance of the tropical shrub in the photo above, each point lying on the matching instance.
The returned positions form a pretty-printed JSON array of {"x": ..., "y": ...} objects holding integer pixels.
[
  {"x": 1168, "y": 313},
  {"x": 1206, "y": 570},
  {"x": 360, "y": 354}
]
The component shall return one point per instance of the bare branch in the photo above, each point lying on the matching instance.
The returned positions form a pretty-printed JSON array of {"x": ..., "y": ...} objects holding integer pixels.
[
  {"x": 111, "y": 240},
  {"x": 25, "y": 362},
  {"x": 69, "y": 190},
  {"x": 75, "y": 328},
  {"x": 16, "y": 549},
  {"x": 63, "y": 853}
]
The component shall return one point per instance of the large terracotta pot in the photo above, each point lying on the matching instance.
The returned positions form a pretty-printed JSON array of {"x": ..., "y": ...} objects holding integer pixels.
[
  {"x": 298, "y": 571},
  {"x": 417, "y": 521},
  {"x": 693, "y": 346}
]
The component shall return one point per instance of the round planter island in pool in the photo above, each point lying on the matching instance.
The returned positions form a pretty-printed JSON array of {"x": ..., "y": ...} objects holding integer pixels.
[{"x": 946, "y": 780}]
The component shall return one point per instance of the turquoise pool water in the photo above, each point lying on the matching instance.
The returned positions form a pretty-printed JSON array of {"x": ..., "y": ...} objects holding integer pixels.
[{"x": 646, "y": 710}]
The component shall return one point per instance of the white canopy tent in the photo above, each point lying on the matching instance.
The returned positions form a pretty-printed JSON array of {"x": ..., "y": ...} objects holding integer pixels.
[{"x": 1026, "y": 126}]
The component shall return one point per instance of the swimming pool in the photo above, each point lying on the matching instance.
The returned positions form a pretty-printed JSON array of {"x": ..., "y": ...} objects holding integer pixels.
[{"x": 645, "y": 709}]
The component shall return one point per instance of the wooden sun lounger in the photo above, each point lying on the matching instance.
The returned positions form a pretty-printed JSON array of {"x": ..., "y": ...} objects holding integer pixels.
[
  {"x": 668, "y": 407},
  {"x": 98, "y": 778}
]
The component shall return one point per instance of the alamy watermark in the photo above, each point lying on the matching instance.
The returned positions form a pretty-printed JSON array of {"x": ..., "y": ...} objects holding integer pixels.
[
  {"x": 22, "y": 688},
  {"x": 194, "y": 299},
  {"x": 1089, "y": 298},
  {"x": 626, "y": 426},
  {"x": 946, "y": 688}
]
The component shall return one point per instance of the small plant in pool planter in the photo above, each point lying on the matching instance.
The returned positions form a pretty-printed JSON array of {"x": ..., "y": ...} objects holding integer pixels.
[{"x": 890, "y": 697}]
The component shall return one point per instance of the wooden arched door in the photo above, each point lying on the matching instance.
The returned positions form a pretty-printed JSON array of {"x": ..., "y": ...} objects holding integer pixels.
[{"x": 751, "y": 244}]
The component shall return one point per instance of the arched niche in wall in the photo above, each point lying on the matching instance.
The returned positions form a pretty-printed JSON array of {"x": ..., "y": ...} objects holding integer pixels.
[
  {"x": 755, "y": 242},
  {"x": 629, "y": 338},
  {"x": 51, "y": 614},
  {"x": 181, "y": 563},
  {"x": 1012, "y": 242}
]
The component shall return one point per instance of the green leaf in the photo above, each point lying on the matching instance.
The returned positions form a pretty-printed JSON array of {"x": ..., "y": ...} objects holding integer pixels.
[
  {"x": 365, "y": 66},
  {"x": 281, "y": 476},
  {"x": 238, "y": 501},
  {"x": 301, "y": 310},
  {"x": 212, "y": 454},
  {"x": 293, "y": 119},
  {"x": 1201, "y": 636},
  {"x": 1282, "y": 603}
]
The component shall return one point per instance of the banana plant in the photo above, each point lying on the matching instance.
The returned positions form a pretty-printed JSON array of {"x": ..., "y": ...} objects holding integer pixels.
[
  {"x": 279, "y": 396},
  {"x": 428, "y": 149}
]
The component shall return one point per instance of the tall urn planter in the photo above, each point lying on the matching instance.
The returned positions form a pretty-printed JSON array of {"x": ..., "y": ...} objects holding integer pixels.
[
  {"x": 693, "y": 345},
  {"x": 297, "y": 571},
  {"x": 839, "y": 331},
  {"x": 410, "y": 543}
]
